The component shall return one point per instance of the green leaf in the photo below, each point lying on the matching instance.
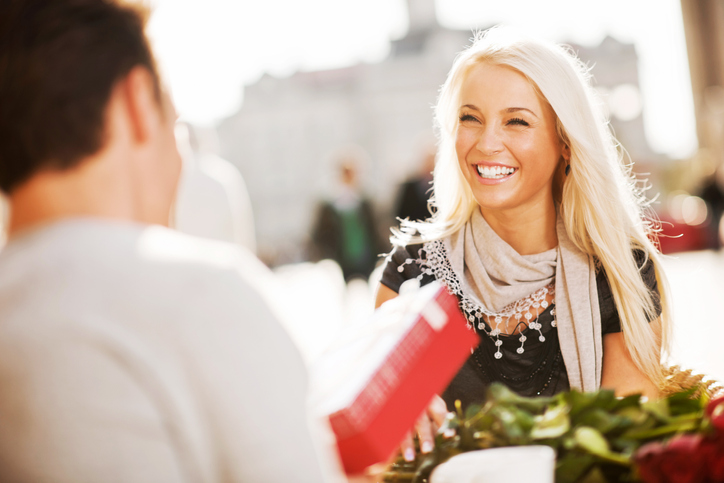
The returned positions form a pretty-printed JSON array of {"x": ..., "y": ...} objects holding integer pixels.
[
  {"x": 625, "y": 446},
  {"x": 633, "y": 400},
  {"x": 658, "y": 408},
  {"x": 472, "y": 410},
  {"x": 634, "y": 414},
  {"x": 568, "y": 442},
  {"x": 593, "y": 442},
  {"x": 605, "y": 399},
  {"x": 683, "y": 403},
  {"x": 662, "y": 431},
  {"x": 579, "y": 401},
  {"x": 422, "y": 475},
  {"x": 512, "y": 423},
  {"x": 499, "y": 393},
  {"x": 551, "y": 424},
  {"x": 599, "y": 419},
  {"x": 482, "y": 421},
  {"x": 594, "y": 476},
  {"x": 572, "y": 466},
  {"x": 395, "y": 476}
]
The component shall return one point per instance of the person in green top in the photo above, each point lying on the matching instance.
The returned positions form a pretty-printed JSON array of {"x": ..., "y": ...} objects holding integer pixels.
[{"x": 345, "y": 229}]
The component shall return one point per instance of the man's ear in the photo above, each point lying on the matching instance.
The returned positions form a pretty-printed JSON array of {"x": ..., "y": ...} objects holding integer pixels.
[{"x": 138, "y": 91}]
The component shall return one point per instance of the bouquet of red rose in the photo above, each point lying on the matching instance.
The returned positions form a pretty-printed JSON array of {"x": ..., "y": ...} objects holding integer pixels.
[{"x": 597, "y": 437}]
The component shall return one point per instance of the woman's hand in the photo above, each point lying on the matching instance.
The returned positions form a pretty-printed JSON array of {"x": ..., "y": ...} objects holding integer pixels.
[{"x": 426, "y": 427}]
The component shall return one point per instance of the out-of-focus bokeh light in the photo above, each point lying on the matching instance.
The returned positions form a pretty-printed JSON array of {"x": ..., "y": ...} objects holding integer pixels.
[
  {"x": 675, "y": 205},
  {"x": 693, "y": 211},
  {"x": 625, "y": 102},
  {"x": 688, "y": 209}
]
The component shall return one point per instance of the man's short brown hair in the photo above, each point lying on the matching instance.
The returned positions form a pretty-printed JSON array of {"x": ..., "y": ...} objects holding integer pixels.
[{"x": 59, "y": 61}]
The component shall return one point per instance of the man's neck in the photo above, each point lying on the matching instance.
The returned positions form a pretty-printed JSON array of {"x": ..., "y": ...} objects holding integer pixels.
[{"x": 89, "y": 190}]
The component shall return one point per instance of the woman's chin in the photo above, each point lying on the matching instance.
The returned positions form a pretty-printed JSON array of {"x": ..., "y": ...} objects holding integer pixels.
[{"x": 496, "y": 201}]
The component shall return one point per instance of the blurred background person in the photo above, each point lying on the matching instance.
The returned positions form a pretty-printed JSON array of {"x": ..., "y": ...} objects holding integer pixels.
[
  {"x": 212, "y": 200},
  {"x": 412, "y": 200},
  {"x": 345, "y": 229},
  {"x": 713, "y": 195}
]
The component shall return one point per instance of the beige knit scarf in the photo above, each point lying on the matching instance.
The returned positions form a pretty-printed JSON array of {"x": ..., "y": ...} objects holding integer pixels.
[{"x": 494, "y": 276}]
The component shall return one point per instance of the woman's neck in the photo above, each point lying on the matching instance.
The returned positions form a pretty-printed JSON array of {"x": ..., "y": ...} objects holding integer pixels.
[{"x": 527, "y": 231}]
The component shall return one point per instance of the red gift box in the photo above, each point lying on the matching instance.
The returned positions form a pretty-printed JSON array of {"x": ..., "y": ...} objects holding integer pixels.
[{"x": 383, "y": 378}]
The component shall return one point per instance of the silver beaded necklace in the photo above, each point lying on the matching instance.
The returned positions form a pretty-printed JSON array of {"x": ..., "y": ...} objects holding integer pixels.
[{"x": 436, "y": 263}]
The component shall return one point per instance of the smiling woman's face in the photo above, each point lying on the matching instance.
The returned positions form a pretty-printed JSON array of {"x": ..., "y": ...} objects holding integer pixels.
[{"x": 506, "y": 143}]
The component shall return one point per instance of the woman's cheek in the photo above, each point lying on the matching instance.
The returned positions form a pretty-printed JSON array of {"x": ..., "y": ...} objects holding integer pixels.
[{"x": 463, "y": 143}]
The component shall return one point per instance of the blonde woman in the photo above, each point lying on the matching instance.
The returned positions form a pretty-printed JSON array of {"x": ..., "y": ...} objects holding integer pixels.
[{"x": 539, "y": 230}]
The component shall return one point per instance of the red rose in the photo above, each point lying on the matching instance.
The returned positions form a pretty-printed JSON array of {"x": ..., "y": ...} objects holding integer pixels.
[
  {"x": 712, "y": 450},
  {"x": 680, "y": 461},
  {"x": 683, "y": 460},
  {"x": 715, "y": 411},
  {"x": 648, "y": 460},
  {"x": 713, "y": 403}
]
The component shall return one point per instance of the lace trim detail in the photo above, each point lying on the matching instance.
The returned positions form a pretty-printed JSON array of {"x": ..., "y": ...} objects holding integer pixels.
[{"x": 436, "y": 263}]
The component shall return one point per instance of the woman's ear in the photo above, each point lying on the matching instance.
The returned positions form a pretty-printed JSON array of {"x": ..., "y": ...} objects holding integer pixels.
[{"x": 566, "y": 152}]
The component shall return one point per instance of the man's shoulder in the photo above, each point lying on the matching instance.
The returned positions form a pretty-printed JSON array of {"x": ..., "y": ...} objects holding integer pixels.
[
  {"x": 106, "y": 260},
  {"x": 160, "y": 246},
  {"x": 145, "y": 281},
  {"x": 185, "y": 263}
]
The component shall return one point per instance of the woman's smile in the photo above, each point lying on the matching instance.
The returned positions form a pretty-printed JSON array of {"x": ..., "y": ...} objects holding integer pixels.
[{"x": 493, "y": 174}]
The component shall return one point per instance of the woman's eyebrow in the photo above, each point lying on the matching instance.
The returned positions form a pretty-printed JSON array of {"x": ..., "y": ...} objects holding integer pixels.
[
  {"x": 507, "y": 110},
  {"x": 516, "y": 109}
]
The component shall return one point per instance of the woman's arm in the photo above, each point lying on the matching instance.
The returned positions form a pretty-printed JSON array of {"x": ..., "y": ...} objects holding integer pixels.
[
  {"x": 384, "y": 294},
  {"x": 620, "y": 373}
]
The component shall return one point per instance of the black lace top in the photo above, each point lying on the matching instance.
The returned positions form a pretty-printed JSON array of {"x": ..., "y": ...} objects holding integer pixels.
[{"x": 540, "y": 370}]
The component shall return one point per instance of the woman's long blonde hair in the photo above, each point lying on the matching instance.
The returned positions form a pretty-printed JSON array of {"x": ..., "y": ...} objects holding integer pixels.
[{"x": 604, "y": 212}]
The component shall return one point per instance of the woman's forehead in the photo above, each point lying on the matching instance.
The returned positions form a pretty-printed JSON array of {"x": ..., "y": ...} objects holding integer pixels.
[
  {"x": 496, "y": 82},
  {"x": 501, "y": 87}
]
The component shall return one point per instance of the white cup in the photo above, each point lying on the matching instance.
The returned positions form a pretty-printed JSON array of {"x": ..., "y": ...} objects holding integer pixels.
[{"x": 514, "y": 464}]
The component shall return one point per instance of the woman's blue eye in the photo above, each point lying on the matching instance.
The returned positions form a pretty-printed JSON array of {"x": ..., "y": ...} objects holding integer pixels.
[{"x": 518, "y": 121}]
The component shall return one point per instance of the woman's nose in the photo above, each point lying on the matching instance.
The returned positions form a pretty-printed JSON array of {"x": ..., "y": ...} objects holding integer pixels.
[{"x": 489, "y": 141}]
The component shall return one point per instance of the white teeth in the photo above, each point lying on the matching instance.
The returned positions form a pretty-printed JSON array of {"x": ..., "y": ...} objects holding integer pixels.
[{"x": 496, "y": 172}]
